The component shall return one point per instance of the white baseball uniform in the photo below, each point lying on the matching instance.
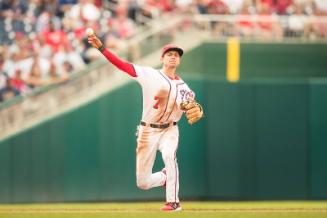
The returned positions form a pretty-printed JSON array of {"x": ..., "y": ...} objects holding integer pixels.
[{"x": 161, "y": 105}]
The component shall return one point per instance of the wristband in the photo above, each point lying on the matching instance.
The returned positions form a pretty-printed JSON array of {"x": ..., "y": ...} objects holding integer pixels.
[{"x": 101, "y": 48}]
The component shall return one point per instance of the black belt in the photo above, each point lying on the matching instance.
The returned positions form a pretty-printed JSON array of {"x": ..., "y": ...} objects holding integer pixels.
[{"x": 159, "y": 126}]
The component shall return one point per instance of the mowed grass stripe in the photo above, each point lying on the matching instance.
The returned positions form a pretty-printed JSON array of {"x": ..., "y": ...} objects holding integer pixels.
[
  {"x": 148, "y": 209},
  {"x": 250, "y": 210}
]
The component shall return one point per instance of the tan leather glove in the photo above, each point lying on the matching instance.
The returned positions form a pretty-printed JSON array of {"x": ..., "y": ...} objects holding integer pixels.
[{"x": 193, "y": 111}]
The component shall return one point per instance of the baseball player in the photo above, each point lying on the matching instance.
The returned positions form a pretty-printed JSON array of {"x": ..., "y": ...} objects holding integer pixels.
[{"x": 165, "y": 98}]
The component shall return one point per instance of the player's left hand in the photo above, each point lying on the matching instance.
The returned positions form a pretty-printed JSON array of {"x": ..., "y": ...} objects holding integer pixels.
[{"x": 193, "y": 111}]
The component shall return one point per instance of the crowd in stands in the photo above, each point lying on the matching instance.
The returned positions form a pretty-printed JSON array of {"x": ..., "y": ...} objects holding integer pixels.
[{"x": 43, "y": 41}]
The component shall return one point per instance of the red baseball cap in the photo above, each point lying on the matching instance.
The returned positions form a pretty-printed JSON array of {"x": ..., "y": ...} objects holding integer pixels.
[{"x": 172, "y": 47}]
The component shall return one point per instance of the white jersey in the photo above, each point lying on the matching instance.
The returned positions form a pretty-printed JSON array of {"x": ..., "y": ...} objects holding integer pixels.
[{"x": 161, "y": 95}]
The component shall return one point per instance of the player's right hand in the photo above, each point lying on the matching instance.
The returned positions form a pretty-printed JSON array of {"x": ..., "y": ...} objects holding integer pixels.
[{"x": 94, "y": 41}]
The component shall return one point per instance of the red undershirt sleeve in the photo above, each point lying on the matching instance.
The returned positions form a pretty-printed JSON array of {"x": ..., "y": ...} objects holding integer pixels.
[{"x": 119, "y": 63}]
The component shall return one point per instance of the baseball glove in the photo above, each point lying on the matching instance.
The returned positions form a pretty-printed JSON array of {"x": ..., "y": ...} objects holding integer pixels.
[{"x": 193, "y": 111}]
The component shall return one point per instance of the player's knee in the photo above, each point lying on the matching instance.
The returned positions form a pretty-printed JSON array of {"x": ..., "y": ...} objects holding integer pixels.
[
  {"x": 143, "y": 186},
  {"x": 142, "y": 183}
]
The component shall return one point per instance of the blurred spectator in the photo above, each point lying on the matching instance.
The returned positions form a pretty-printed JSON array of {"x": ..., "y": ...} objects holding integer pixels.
[
  {"x": 3, "y": 78},
  {"x": 281, "y": 6},
  {"x": 234, "y": 6},
  {"x": 54, "y": 77},
  {"x": 321, "y": 6},
  {"x": 267, "y": 25},
  {"x": 185, "y": 5},
  {"x": 16, "y": 60},
  {"x": 42, "y": 48},
  {"x": 121, "y": 25},
  {"x": 63, "y": 6},
  {"x": 45, "y": 19},
  {"x": 3, "y": 75},
  {"x": 244, "y": 26},
  {"x": 67, "y": 54},
  {"x": 201, "y": 6},
  {"x": 67, "y": 68},
  {"x": 82, "y": 12},
  {"x": 18, "y": 82},
  {"x": 217, "y": 7},
  {"x": 275, "y": 6},
  {"x": 154, "y": 8},
  {"x": 297, "y": 23},
  {"x": 317, "y": 28},
  {"x": 8, "y": 64},
  {"x": 54, "y": 37},
  {"x": 35, "y": 77},
  {"x": 8, "y": 91}
]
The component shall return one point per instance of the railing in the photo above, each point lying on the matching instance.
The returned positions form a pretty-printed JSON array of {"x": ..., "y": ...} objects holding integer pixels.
[
  {"x": 18, "y": 113},
  {"x": 264, "y": 27}
]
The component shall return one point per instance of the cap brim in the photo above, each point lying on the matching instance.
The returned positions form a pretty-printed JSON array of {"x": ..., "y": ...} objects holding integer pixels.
[{"x": 179, "y": 50}]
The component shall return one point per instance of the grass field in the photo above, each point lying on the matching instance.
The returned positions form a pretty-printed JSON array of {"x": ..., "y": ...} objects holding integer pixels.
[{"x": 297, "y": 209}]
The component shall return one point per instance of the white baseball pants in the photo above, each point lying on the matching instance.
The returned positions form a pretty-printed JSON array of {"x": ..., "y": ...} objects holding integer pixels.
[{"x": 150, "y": 140}]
